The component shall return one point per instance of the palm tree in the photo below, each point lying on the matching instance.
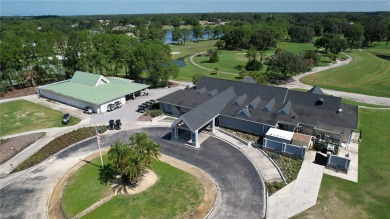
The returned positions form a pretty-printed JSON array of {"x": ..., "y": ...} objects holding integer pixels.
[
  {"x": 136, "y": 166},
  {"x": 118, "y": 155},
  {"x": 143, "y": 144},
  {"x": 151, "y": 150}
]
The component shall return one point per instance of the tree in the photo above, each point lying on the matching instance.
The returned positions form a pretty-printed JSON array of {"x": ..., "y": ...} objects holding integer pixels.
[
  {"x": 331, "y": 41},
  {"x": 237, "y": 38},
  {"x": 374, "y": 30},
  {"x": 301, "y": 34},
  {"x": 253, "y": 63},
  {"x": 354, "y": 34},
  {"x": 213, "y": 55},
  {"x": 310, "y": 57},
  {"x": 209, "y": 31},
  {"x": 263, "y": 39},
  {"x": 196, "y": 77},
  {"x": 177, "y": 34},
  {"x": 198, "y": 32},
  {"x": 284, "y": 65},
  {"x": 220, "y": 44},
  {"x": 118, "y": 155},
  {"x": 131, "y": 160}
]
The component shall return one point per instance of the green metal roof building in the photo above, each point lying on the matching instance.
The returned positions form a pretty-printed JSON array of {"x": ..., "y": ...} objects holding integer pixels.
[{"x": 93, "y": 90}]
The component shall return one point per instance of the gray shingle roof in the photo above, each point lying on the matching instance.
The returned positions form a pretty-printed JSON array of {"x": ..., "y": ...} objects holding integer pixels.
[
  {"x": 255, "y": 102},
  {"x": 293, "y": 106},
  {"x": 315, "y": 90},
  {"x": 203, "y": 113},
  {"x": 249, "y": 79},
  {"x": 240, "y": 100}
]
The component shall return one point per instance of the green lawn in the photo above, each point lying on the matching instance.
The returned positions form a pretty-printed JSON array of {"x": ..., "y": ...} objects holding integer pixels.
[
  {"x": 192, "y": 47},
  {"x": 175, "y": 195},
  {"x": 228, "y": 61},
  {"x": 366, "y": 74},
  {"x": 84, "y": 189},
  {"x": 370, "y": 197},
  {"x": 22, "y": 115}
]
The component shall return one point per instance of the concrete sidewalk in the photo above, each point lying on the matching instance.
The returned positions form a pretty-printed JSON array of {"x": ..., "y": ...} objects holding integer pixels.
[
  {"x": 299, "y": 195},
  {"x": 267, "y": 169}
]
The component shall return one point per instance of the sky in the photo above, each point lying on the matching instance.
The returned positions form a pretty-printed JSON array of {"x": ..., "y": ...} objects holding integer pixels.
[{"x": 106, "y": 7}]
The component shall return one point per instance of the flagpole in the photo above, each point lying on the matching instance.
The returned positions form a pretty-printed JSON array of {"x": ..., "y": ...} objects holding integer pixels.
[{"x": 100, "y": 150}]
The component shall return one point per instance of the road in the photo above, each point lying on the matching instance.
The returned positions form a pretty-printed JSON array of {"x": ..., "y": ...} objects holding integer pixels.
[{"x": 240, "y": 191}]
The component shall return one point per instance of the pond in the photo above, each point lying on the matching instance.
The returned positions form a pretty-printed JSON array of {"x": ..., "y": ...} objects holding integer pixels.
[
  {"x": 179, "y": 62},
  {"x": 168, "y": 36}
]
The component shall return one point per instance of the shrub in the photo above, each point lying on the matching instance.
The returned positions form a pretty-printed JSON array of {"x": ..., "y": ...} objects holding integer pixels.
[
  {"x": 155, "y": 113},
  {"x": 57, "y": 145}
]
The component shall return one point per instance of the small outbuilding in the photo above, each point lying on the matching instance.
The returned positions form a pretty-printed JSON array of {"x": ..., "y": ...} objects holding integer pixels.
[{"x": 92, "y": 90}]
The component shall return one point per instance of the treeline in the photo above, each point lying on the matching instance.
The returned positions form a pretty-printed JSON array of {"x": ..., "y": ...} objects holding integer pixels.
[
  {"x": 41, "y": 57},
  {"x": 49, "y": 48}
]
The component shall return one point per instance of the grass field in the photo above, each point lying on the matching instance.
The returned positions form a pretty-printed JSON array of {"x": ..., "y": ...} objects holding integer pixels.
[
  {"x": 192, "y": 47},
  {"x": 175, "y": 195},
  {"x": 366, "y": 74},
  {"x": 22, "y": 115},
  {"x": 84, "y": 189},
  {"x": 187, "y": 72},
  {"x": 370, "y": 197}
]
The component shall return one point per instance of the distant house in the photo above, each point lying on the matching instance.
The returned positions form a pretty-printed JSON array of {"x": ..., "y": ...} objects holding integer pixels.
[
  {"x": 255, "y": 109},
  {"x": 92, "y": 90}
]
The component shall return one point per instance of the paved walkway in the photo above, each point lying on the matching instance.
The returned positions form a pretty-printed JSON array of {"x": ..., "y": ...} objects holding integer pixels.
[
  {"x": 266, "y": 168},
  {"x": 297, "y": 196}
]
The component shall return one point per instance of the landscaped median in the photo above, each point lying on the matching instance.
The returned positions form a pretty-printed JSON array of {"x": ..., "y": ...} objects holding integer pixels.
[
  {"x": 178, "y": 193},
  {"x": 57, "y": 145}
]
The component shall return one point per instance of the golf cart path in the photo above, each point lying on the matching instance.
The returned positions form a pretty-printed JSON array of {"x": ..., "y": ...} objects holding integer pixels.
[{"x": 296, "y": 83}]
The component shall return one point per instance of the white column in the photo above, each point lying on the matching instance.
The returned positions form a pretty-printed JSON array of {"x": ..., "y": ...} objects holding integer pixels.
[
  {"x": 212, "y": 125},
  {"x": 195, "y": 138}
]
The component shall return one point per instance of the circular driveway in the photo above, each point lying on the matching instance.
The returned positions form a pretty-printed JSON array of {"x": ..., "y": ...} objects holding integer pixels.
[{"x": 240, "y": 190}]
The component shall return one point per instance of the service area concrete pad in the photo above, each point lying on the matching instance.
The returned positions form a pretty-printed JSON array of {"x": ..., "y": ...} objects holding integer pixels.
[{"x": 299, "y": 195}]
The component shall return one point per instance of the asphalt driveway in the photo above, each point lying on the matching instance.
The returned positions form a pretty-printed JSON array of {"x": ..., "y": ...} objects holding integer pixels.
[{"x": 240, "y": 190}]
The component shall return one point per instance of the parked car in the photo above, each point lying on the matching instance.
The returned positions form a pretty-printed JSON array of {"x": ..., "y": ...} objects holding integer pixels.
[
  {"x": 88, "y": 110},
  {"x": 111, "y": 107},
  {"x": 66, "y": 119},
  {"x": 118, "y": 124},
  {"x": 111, "y": 124},
  {"x": 118, "y": 104},
  {"x": 141, "y": 110}
]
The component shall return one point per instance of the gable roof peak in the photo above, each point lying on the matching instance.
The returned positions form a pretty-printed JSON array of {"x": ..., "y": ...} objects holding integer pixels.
[
  {"x": 89, "y": 79},
  {"x": 316, "y": 90}
]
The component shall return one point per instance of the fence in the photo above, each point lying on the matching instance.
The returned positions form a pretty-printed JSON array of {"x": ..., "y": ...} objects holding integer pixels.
[
  {"x": 339, "y": 163},
  {"x": 288, "y": 149}
]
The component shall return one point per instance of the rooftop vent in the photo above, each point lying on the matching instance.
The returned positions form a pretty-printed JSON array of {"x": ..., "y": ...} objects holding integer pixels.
[{"x": 319, "y": 102}]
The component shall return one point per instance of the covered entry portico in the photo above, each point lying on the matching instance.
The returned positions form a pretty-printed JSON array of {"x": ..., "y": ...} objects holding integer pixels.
[
  {"x": 201, "y": 117},
  {"x": 195, "y": 139}
]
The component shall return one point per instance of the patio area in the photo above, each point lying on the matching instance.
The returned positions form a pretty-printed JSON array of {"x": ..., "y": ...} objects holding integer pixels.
[{"x": 350, "y": 151}]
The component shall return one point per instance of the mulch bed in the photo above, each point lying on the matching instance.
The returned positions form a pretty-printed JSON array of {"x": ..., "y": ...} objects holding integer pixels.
[
  {"x": 19, "y": 93},
  {"x": 144, "y": 118},
  {"x": 12, "y": 146}
]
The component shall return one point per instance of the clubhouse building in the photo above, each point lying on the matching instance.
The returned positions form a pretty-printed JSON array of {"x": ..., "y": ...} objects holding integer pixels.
[
  {"x": 91, "y": 90},
  {"x": 271, "y": 112}
]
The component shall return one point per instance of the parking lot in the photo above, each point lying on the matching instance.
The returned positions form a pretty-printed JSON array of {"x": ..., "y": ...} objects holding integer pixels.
[{"x": 127, "y": 113}]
